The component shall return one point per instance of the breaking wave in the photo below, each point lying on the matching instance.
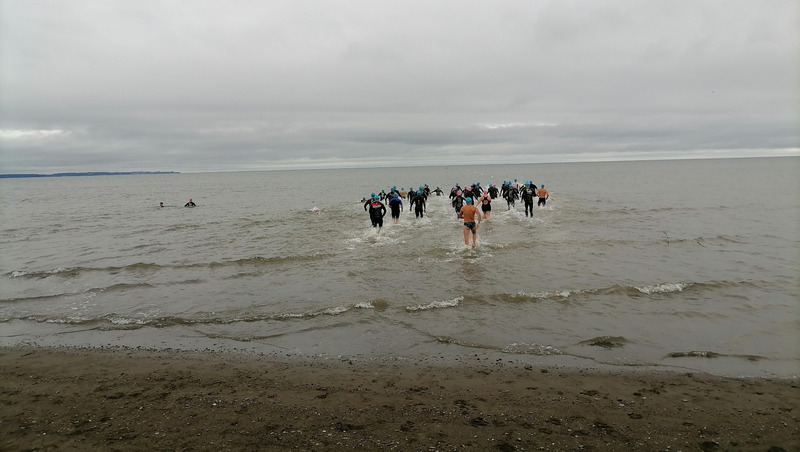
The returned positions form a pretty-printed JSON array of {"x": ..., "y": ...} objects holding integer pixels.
[
  {"x": 144, "y": 267},
  {"x": 620, "y": 289},
  {"x": 436, "y": 305},
  {"x": 515, "y": 348},
  {"x": 127, "y": 321}
]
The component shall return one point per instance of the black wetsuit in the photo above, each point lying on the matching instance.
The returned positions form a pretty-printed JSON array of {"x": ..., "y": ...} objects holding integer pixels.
[
  {"x": 528, "y": 194},
  {"x": 469, "y": 193},
  {"x": 511, "y": 195},
  {"x": 189, "y": 204},
  {"x": 458, "y": 203},
  {"x": 376, "y": 212},
  {"x": 418, "y": 203}
]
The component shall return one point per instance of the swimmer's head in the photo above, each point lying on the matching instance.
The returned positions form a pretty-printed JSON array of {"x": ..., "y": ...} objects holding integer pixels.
[
  {"x": 542, "y": 185},
  {"x": 468, "y": 200},
  {"x": 419, "y": 192}
]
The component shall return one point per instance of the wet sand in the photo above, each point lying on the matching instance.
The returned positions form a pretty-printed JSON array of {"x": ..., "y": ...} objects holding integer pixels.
[{"x": 79, "y": 399}]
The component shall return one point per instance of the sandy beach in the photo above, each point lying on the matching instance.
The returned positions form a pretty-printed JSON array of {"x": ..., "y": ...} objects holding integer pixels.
[{"x": 82, "y": 399}]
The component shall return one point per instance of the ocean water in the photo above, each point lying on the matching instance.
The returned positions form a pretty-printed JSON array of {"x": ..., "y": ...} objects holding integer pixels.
[{"x": 690, "y": 264}]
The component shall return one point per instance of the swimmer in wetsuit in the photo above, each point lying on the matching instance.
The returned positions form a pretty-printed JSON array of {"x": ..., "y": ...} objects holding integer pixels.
[
  {"x": 376, "y": 213},
  {"x": 458, "y": 202},
  {"x": 396, "y": 206},
  {"x": 493, "y": 191},
  {"x": 512, "y": 194},
  {"x": 469, "y": 213},
  {"x": 527, "y": 195},
  {"x": 190, "y": 204},
  {"x": 418, "y": 203}
]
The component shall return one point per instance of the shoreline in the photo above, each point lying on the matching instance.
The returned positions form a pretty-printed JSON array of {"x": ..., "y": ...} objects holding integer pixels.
[{"x": 128, "y": 399}]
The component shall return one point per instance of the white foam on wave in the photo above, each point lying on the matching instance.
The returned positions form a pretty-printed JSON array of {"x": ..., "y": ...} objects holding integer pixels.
[
  {"x": 663, "y": 288},
  {"x": 60, "y": 270},
  {"x": 126, "y": 321},
  {"x": 544, "y": 295},
  {"x": 335, "y": 310},
  {"x": 436, "y": 304},
  {"x": 21, "y": 273},
  {"x": 69, "y": 320}
]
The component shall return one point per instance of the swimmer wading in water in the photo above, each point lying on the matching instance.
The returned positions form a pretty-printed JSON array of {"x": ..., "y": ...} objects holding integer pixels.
[{"x": 469, "y": 213}]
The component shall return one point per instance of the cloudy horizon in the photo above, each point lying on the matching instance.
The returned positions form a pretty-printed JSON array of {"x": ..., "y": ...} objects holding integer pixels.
[{"x": 250, "y": 85}]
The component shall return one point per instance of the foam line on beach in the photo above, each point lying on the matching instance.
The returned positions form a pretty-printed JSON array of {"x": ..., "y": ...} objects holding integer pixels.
[{"x": 663, "y": 288}]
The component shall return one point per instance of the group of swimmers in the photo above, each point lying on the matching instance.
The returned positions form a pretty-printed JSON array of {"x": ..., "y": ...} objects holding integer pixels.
[
  {"x": 417, "y": 200},
  {"x": 464, "y": 202}
]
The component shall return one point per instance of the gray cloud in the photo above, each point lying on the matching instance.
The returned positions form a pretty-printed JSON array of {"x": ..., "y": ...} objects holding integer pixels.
[{"x": 212, "y": 85}]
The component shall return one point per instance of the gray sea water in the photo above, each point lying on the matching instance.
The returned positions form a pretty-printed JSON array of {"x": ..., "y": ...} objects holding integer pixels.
[{"x": 687, "y": 264}]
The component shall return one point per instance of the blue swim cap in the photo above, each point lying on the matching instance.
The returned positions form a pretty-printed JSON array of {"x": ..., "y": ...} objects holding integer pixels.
[
  {"x": 372, "y": 194},
  {"x": 420, "y": 187},
  {"x": 542, "y": 185},
  {"x": 469, "y": 200}
]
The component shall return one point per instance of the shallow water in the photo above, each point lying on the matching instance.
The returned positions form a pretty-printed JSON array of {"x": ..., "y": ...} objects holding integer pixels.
[{"x": 672, "y": 264}]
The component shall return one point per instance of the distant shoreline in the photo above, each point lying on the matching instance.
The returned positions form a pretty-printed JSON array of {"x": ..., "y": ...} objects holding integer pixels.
[{"x": 91, "y": 173}]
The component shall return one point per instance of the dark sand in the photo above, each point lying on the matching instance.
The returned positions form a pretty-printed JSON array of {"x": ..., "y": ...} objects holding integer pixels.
[{"x": 61, "y": 399}]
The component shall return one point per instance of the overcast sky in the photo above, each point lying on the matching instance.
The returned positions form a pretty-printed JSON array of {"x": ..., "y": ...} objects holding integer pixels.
[{"x": 200, "y": 85}]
